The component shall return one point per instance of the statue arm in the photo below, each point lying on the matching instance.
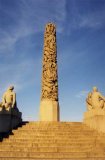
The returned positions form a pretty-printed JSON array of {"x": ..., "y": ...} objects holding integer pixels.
[
  {"x": 3, "y": 99},
  {"x": 88, "y": 99},
  {"x": 102, "y": 97},
  {"x": 14, "y": 99}
]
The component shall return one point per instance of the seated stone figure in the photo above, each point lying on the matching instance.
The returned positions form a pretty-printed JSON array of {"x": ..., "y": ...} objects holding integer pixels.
[
  {"x": 9, "y": 99},
  {"x": 95, "y": 100}
]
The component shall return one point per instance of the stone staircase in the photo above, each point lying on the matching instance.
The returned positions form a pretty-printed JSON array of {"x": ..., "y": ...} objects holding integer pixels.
[{"x": 53, "y": 141}]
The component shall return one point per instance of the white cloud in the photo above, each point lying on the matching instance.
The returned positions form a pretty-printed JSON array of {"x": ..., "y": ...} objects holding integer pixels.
[
  {"x": 30, "y": 17},
  {"x": 82, "y": 94},
  {"x": 90, "y": 19},
  {"x": 93, "y": 20},
  {"x": 21, "y": 74}
]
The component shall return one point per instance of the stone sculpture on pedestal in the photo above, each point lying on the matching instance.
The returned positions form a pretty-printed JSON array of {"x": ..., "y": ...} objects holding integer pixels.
[
  {"x": 49, "y": 107},
  {"x": 95, "y": 115},
  {"x": 9, "y": 99},
  {"x": 95, "y": 100},
  {"x": 10, "y": 117}
]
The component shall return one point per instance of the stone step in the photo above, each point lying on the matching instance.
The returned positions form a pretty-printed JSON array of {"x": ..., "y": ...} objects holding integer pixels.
[
  {"x": 45, "y": 148},
  {"x": 63, "y": 130},
  {"x": 27, "y": 158},
  {"x": 54, "y": 131},
  {"x": 54, "y": 128},
  {"x": 40, "y": 155},
  {"x": 55, "y": 123},
  {"x": 54, "y": 138},
  {"x": 57, "y": 127},
  {"x": 42, "y": 124},
  {"x": 51, "y": 155},
  {"x": 45, "y": 140},
  {"x": 65, "y": 147},
  {"x": 56, "y": 141},
  {"x": 50, "y": 140},
  {"x": 49, "y": 149},
  {"x": 23, "y": 145},
  {"x": 34, "y": 144}
]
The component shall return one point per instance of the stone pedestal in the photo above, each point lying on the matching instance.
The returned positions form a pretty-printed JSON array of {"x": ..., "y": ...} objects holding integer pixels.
[
  {"x": 5, "y": 121},
  {"x": 16, "y": 118},
  {"x": 49, "y": 110},
  {"x": 9, "y": 119},
  {"x": 95, "y": 119}
]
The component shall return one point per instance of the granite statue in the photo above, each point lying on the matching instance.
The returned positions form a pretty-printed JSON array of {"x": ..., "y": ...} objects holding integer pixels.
[
  {"x": 95, "y": 100},
  {"x": 8, "y": 99}
]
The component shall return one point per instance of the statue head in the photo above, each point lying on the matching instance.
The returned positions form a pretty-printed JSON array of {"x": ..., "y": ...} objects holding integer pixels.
[
  {"x": 95, "y": 89},
  {"x": 11, "y": 88}
]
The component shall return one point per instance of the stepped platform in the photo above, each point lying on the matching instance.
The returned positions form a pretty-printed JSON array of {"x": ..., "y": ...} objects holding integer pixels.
[{"x": 53, "y": 141}]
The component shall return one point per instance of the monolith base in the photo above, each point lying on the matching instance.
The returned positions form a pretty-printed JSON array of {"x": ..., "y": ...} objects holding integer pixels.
[{"x": 49, "y": 110}]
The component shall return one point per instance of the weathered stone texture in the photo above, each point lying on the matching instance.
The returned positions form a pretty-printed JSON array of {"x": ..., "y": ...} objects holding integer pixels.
[
  {"x": 49, "y": 75},
  {"x": 95, "y": 115}
]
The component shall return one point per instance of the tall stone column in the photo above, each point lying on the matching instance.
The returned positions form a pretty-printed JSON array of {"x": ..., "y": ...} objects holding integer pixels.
[{"x": 49, "y": 106}]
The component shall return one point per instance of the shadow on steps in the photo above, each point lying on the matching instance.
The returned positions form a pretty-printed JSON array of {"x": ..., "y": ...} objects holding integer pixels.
[{"x": 6, "y": 134}]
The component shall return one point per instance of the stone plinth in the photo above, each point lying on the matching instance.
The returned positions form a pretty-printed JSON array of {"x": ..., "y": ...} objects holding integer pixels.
[
  {"x": 5, "y": 121},
  {"x": 95, "y": 119},
  {"x": 49, "y": 110},
  {"x": 16, "y": 118},
  {"x": 9, "y": 119}
]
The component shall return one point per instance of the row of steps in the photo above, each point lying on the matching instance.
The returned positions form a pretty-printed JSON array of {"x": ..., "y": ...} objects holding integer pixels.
[{"x": 53, "y": 141}]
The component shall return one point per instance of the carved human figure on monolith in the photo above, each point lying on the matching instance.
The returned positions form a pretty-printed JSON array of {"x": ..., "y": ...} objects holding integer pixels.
[
  {"x": 49, "y": 76},
  {"x": 95, "y": 100},
  {"x": 9, "y": 99},
  {"x": 49, "y": 106}
]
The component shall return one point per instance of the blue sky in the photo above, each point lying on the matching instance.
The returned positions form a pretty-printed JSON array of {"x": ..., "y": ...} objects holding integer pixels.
[{"x": 80, "y": 48}]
